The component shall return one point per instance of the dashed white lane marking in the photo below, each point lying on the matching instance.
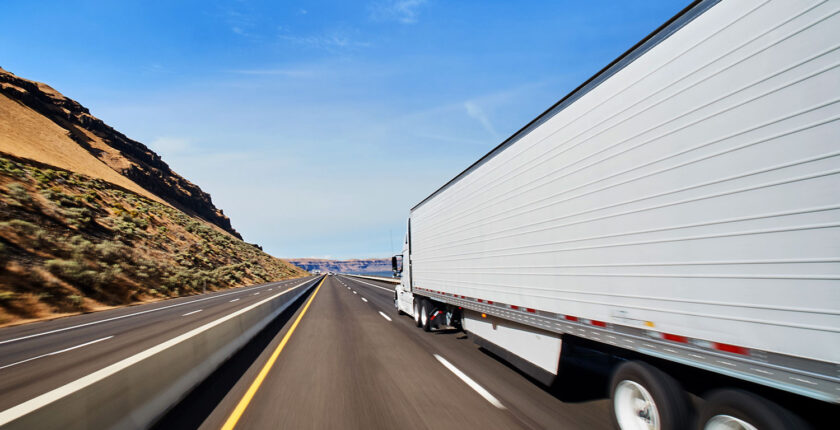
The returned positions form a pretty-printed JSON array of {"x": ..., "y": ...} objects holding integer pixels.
[
  {"x": 364, "y": 299},
  {"x": 256, "y": 294},
  {"x": 234, "y": 300},
  {"x": 384, "y": 316},
  {"x": 56, "y": 352},
  {"x": 472, "y": 384},
  {"x": 355, "y": 292},
  {"x": 193, "y": 312}
]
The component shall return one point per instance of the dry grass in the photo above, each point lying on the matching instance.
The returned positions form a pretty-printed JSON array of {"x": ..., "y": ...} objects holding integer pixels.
[
  {"x": 73, "y": 243},
  {"x": 28, "y": 134}
]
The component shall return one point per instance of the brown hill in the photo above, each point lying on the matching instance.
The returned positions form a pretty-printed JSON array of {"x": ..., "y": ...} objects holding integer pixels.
[
  {"x": 363, "y": 265},
  {"x": 90, "y": 219},
  {"x": 41, "y": 124}
]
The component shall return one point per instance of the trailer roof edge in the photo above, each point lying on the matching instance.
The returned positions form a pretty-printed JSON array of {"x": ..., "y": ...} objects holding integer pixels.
[{"x": 693, "y": 10}]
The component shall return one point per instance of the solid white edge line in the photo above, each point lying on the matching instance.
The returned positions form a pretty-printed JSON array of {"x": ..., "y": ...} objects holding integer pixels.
[
  {"x": 472, "y": 384},
  {"x": 384, "y": 316},
  {"x": 364, "y": 299},
  {"x": 193, "y": 312},
  {"x": 33, "y": 404},
  {"x": 130, "y": 315},
  {"x": 375, "y": 286},
  {"x": 56, "y": 352}
]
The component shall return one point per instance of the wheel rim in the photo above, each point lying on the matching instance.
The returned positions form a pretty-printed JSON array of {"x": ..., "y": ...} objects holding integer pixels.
[
  {"x": 416, "y": 312},
  {"x": 727, "y": 422},
  {"x": 634, "y": 407},
  {"x": 424, "y": 317}
]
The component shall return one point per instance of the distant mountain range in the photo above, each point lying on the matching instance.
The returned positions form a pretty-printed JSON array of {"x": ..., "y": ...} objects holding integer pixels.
[
  {"x": 363, "y": 265},
  {"x": 91, "y": 219}
]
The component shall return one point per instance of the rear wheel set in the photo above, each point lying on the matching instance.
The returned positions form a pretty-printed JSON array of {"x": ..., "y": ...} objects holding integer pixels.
[{"x": 646, "y": 398}]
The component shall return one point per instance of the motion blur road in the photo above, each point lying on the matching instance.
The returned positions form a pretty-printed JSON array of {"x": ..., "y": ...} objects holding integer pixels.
[
  {"x": 39, "y": 357},
  {"x": 353, "y": 363}
]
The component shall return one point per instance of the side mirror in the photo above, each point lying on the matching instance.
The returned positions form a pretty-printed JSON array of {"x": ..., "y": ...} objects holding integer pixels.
[{"x": 396, "y": 264}]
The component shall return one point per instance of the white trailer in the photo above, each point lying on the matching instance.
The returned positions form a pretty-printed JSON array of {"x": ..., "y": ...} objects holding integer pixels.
[{"x": 679, "y": 211}]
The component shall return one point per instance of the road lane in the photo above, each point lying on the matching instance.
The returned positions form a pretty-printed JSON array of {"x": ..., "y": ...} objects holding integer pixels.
[
  {"x": 347, "y": 367},
  {"x": 129, "y": 330},
  {"x": 533, "y": 405}
]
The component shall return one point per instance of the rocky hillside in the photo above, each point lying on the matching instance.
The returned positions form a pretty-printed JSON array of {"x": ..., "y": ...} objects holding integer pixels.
[
  {"x": 366, "y": 265},
  {"x": 90, "y": 219},
  {"x": 125, "y": 156}
]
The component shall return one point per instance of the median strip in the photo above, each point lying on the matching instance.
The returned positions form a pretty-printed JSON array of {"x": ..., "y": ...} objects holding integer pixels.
[{"x": 49, "y": 397}]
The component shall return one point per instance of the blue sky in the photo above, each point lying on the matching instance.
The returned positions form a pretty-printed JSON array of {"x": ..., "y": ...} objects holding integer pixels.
[{"x": 316, "y": 126}]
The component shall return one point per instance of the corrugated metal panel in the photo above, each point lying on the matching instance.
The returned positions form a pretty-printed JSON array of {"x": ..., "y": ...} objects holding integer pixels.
[{"x": 697, "y": 187}]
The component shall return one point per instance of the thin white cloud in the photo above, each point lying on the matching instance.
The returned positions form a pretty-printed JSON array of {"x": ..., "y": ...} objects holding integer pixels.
[
  {"x": 327, "y": 41},
  {"x": 476, "y": 112},
  {"x": 403, "y": 11}
]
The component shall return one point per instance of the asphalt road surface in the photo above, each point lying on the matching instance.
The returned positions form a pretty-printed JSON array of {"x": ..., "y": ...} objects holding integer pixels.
[
  {"x": 39, "y": 357},
  {"x": 352, "y": 363}
]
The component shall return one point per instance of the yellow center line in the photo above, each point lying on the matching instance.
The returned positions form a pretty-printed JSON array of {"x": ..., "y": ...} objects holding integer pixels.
[{"x": 252, "y": 390}]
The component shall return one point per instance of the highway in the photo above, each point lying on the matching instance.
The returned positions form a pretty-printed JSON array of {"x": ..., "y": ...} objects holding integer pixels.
[
  {"x": 340, "y": 357},
  {"x": 39, "y": 357},
  {"x": 352, "y": 362}
]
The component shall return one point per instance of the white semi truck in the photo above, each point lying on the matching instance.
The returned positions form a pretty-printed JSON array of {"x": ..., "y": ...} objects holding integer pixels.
[{"x": 678, "y": 213}]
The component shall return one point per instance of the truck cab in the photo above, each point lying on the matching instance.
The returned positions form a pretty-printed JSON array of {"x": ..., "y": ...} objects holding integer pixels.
[{"x": 403, "y": 298}]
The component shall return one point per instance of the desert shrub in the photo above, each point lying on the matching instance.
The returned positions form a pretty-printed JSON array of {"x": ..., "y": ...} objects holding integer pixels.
[
  {"x": 11, "y": 168},
  {"x": 33, "y": 235},
  {"x": 78, "y": 217},
  {"x": 74, "y": 272},
  {"x": 19, "y": 195},
  {"x": 6, "y": 296},
  {"x": 75, "y": 300},
  {"x": 80, "y": 247},
  {"x": 111, "y": 252}
]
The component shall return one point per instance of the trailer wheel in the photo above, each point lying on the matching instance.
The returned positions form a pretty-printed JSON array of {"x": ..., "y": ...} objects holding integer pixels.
[
  {"x": 644, "y": 397},
  {"x": 741, "y": 410},
  {"x": 425, "y": 311},
  {"x": 417, "y": 313}
]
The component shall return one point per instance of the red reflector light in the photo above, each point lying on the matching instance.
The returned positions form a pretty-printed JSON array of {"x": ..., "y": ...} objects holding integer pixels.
[
  {"x": 489, "y": 302},
  {"x": 674, "y": 338},
  {"x": 599, "y": 323},
  {"x": 514, "y": 307},
  {"x": 732, "y": 348},
  {"x": 531, "y": 310},
  {"x": 571, "y": 318},
  {"x": 480, "y": 301}
]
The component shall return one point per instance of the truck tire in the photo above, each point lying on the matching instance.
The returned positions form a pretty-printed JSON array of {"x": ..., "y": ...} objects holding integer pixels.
[
  {"x": 644, "y": 397},
  {"x": 417, "y": 313},
  {"x": 742, "y": 410},
  {"x": 425, "y": 312}
]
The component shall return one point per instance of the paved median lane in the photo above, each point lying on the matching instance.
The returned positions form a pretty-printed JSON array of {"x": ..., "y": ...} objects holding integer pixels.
[{"x": 340, "y": 364}]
